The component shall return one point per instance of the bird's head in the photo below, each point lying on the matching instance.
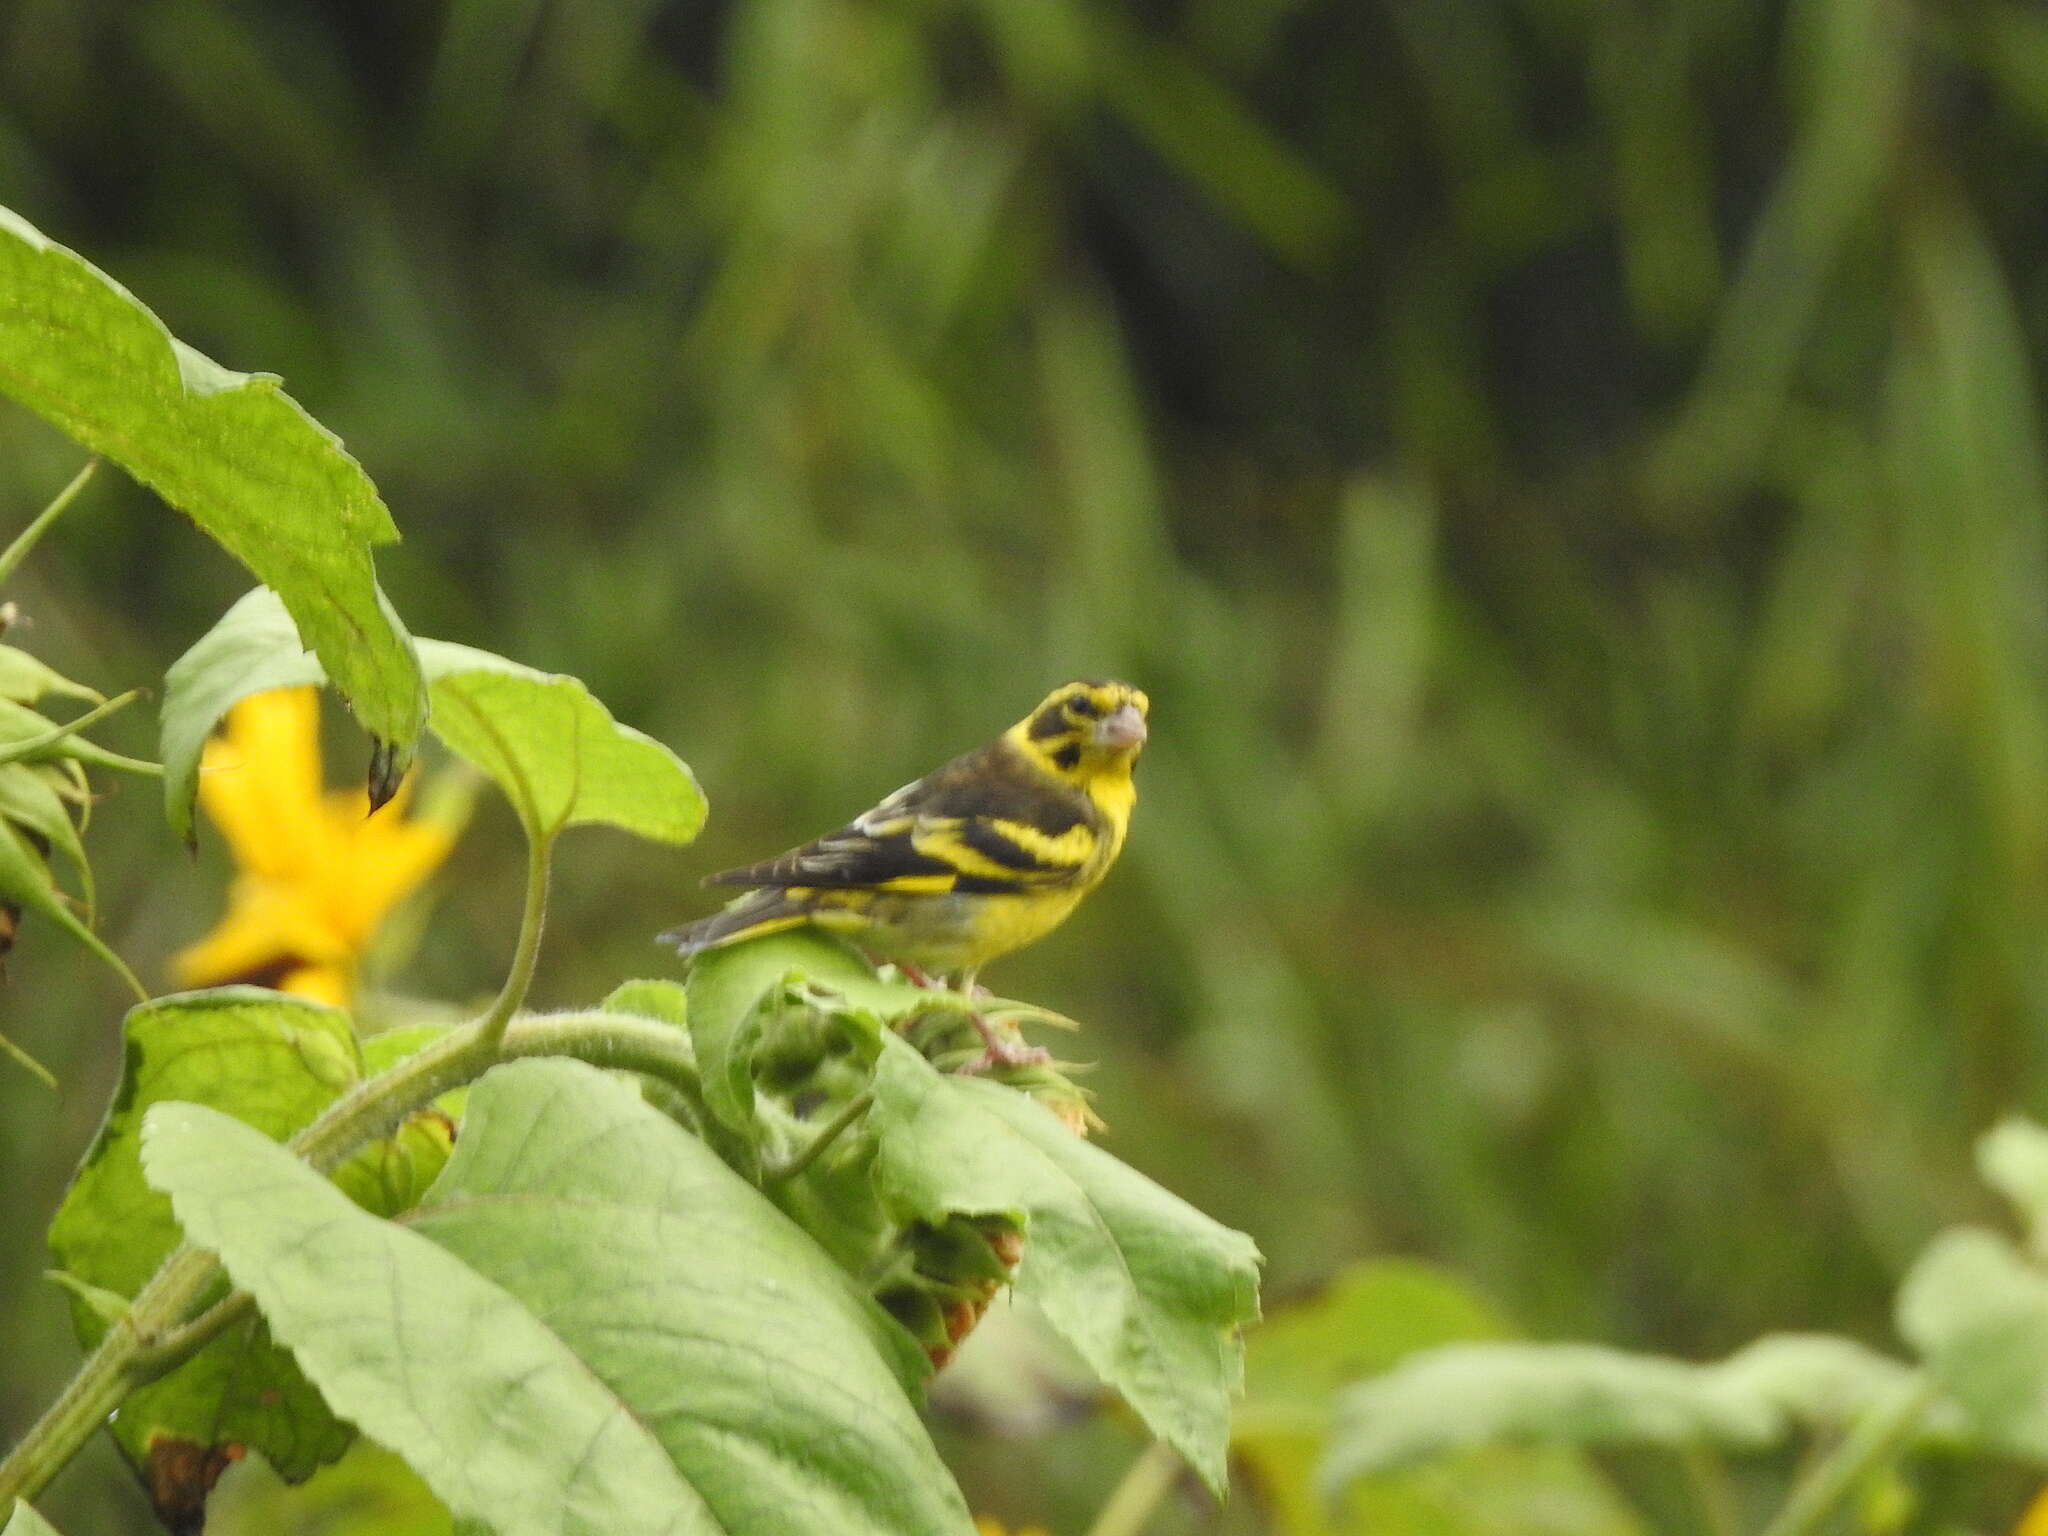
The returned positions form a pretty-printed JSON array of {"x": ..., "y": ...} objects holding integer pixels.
[{"x": 1084, "y": 730}]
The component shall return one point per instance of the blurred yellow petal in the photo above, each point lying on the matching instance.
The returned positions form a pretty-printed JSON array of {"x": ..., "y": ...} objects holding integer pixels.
[
  {"x": 241, "y": 944},
  {"x": 322, "y": 983},
  {"x": 259, "y": 781},
  {"x": 318, "y": 873},
  {"x": 268, "y": 924},
  {"x": 382, "y": 860}
]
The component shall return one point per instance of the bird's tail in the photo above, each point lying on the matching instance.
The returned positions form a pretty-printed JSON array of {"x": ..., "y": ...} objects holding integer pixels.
[{"x": 754, "y": 914}]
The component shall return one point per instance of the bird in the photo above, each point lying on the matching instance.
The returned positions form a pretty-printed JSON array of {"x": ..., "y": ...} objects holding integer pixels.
[{"x": 979, "y": 857}]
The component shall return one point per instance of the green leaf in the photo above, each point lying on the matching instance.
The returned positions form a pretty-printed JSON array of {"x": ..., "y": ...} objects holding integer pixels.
[
  {"x": 1978, "y": 1314},
  {"x": 1480, "y": 1394},
  {"x": 1823, "y": 1382},
  {"x": 31, "y": 802},
  {"x": 254, "y": 648},
  {"x": 230, "y": 450},
  {"x": 26, "y": 1522},
  {"x": 2013, "y": 1159},
  {"x": 1467, "y": 1395},
  {"x": 727, "y": 987},
  {"x": 394, "y": 1173},
  {"x": 246, "y": 1050},
  {"x": 1371, "y": 1316},
  {"x": 19, "y": 723},
  {"x": 723, "y": 1013},
  {"x": 108, "y": 1306},
  {"x": 592, "y": 1325},
  {"x": 667, "y": 1002},
  {"x": 1147, "y": 1289},
  {"x": 274, "y": 1062},
  {"x": 651, "y": 999},
  {"x": 369, "y": 1492},
  {"x": 25, "y": 679},
  {"x": 25, "y": 881},
  {"x": 554, "y": 750}
]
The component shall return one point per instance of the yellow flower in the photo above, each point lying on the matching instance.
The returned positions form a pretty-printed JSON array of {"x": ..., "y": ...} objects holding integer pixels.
[
  {"x": 987, "y": 1525},
  {"x": 316, "y": 872},
  {"x": 2035, "y": 1521}
]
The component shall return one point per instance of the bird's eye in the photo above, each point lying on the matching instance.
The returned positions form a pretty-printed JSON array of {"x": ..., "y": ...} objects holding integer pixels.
[{"x": 1080, "y": 704}]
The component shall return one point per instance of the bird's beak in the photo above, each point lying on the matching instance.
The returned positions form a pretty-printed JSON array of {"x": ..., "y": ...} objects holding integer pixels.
[{"x": 1121, "y": 729}]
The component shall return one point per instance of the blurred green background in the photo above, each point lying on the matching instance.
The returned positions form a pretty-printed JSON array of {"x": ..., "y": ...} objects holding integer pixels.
[{"x": 1569, "y": 476}]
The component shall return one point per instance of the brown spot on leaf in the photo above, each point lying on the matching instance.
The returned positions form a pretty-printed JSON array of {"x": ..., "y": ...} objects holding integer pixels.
[{"x": 179, "y": 1476}]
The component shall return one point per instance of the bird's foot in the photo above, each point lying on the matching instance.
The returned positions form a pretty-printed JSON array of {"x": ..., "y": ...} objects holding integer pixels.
[
  {"x": 919, "y": 977},
  {"x": 1000, "y": 1050}
]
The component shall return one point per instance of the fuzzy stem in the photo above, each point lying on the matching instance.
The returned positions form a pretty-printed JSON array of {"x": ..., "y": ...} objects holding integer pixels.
[
  {"x": 532, "y": 919},
  {"x": 121, "y": 1363}
]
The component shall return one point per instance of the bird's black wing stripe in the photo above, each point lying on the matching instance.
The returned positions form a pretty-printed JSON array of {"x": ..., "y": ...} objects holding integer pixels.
[
  {"x": 998, "y": 848},
  {"x": 985, "y": 885},
  {"x": 846, "y": 858},
  {"x": 991, "y": 781}
]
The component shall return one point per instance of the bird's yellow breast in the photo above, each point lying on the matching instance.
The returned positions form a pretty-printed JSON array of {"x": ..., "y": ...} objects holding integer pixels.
[
  {"x": 946, "y": 933},
  {"x": 1114, "y": 794}
]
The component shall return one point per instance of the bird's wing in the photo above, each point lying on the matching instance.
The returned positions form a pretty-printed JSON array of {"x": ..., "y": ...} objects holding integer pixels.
[{"x": 984, "y": 823}]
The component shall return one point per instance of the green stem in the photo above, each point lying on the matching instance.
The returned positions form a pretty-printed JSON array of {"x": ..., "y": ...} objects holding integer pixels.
[
  {"x": 1138, "y": 1497},
  {"x": 160, "y": 1356},
  {"x": 121, "y": 1363},
  {"x": 42, "y": 741},
  {"x": 857, "y": 1106},
  {"x": 376, "y": 1106},
  {"x": 155, "y": 1336},
  {"x": 539, "y": 848},
  {"x": 604, "y": 1039},
  {"x": 1870, "y": 1443},
  {"x": 140, "y": 766},
  {"x": 28, "y": 1063},
  {"x": 25, "y": 540},
  {"x": 95, "y": 1392}
]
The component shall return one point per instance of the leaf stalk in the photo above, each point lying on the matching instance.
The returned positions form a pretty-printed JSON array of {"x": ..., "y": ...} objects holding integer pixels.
[
  {"x": 857, "y": 1106},
  {"x": 42, "y": 741},
  {"x": 1870, "y": 1443},
  {"x": 532, "y": 919},
  {"x": 24, "y": 541}
]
